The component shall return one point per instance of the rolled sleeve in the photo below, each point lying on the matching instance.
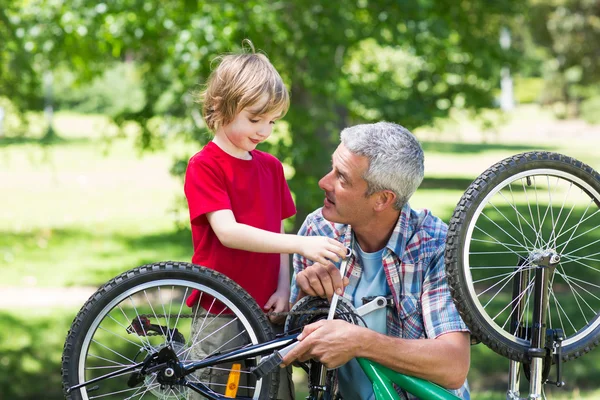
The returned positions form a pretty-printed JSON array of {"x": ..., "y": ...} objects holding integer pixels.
[{"x": 439, "y": 312}]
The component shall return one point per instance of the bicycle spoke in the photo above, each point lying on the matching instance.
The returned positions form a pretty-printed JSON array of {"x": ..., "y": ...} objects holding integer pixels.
[
  {"x": 118, "y": 364},
  {"x": 572, "y": 282},
  {"x": 179, "y": 313},
  {"x": 497, "y": 266},
  {"x": 114, "y": 351},
  {"x": 117, "y": 392},
  {"x": 120, "y": 337},
  {"x": 528, "y": 245},
  {"x": 587, "y": 258},
  {"x": 510, "y": 304},
  {"x": 501, "y": 229},
  {"x": 580, "y": 263},
  {"x": 519, "y": 215},
  {"x": 143, "y": 339},
  {"x": 574, "y": 229}
]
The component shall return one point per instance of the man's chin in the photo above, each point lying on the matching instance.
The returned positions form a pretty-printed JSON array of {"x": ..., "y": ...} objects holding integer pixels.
[{"x": 329, "y": 214}]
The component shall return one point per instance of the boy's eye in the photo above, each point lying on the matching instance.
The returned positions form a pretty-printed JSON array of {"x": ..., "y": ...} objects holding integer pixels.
[{"x": 254, "y": 121}]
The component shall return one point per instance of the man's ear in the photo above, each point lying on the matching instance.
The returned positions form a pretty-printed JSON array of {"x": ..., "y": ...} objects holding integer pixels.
[{"x": 384, "y": 200}]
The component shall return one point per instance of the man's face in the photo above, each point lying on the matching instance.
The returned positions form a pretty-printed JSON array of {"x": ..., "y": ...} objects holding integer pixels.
[{"x": 345, "y": 201}]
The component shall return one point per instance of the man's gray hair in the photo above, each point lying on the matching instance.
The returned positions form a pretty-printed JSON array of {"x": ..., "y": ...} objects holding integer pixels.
[{"x": 395, "y": 158}]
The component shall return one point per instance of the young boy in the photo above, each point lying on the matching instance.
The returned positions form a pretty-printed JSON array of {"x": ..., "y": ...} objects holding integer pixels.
[{"x": 238, "y": 196}]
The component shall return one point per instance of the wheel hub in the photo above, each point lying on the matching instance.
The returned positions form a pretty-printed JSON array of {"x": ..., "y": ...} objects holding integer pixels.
[
  {"x": 544, "y": 258},
  {"x": 166, "y": 391}
]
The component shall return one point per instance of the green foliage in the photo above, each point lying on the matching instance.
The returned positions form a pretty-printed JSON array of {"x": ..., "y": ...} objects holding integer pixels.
[
  {"x": 117, "y": 91},
  {"x": 590, "y": 110},
  {"x": 12, "y": 122},
  {"x": 566, "y": 31},
  {"x": 30, "y": 349},
  {"x": 20, "y": 81},
  {"x": 405, "y": 62},
  {"x": 528, "y": 90}
]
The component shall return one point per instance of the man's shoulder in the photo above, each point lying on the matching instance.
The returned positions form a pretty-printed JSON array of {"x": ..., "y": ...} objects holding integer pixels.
[
  {"x": 427, "y": 225},
  {"x": 316, "y": 223}
]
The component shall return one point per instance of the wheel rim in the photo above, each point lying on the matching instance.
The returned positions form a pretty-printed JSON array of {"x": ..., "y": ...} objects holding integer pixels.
[
  {"x": 165, "y": 297},
  {"x": 535, "y": 210}
]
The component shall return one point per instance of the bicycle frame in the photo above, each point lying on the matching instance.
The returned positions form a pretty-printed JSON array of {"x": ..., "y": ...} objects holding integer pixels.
[{"x": 382, "y": 378}]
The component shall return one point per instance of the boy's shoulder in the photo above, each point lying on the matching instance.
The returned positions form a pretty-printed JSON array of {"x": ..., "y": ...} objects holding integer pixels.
[
  {"x": 207, "y": 155},
  {"x": 265, "y": 157}
]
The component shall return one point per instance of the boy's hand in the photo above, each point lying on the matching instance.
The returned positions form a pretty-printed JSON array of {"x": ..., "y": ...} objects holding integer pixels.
[
  {"x": 278, "y": 302},
  {"x": 322, "y": 249}
]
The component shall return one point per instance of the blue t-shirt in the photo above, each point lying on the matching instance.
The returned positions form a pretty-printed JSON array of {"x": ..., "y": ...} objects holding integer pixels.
[{"x": 353, "y": 382}]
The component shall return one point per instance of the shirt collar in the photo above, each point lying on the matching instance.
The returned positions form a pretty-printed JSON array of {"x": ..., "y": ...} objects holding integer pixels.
[{"x": 400, "y": 235}]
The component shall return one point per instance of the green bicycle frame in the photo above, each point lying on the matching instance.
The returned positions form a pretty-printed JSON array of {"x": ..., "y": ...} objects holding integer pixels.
[{"x": 383, "y": 379}]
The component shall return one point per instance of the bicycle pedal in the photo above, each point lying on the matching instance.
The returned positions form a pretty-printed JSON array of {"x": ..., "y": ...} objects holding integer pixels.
[{"x": 267, "y": 365}]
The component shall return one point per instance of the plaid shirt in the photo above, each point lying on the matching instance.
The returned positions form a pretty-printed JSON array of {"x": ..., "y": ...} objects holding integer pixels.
[{"x": 413, "y": 260}]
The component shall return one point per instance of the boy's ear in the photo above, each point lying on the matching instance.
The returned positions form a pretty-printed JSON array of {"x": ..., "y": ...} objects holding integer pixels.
[{"x": 384, "y": 199}]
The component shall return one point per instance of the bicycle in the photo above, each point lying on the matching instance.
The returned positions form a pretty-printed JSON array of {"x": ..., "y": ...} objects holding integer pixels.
[{"x": 136, "y": 335}]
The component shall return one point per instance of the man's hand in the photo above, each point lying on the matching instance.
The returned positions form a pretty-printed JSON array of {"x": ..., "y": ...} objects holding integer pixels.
[
  {"x": 278, "y": 302},
  {"x": 332, "y": 343},
  {"x": 321, "y": 280}
]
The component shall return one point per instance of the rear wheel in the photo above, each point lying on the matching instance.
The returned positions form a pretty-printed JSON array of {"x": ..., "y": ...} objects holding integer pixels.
[
  {"x": 518, "y": 210},
  {"x": 145, "y": 310}
]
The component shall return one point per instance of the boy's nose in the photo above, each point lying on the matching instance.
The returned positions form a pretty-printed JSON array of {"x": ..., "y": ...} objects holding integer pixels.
[{"x": 264, "y": 131}]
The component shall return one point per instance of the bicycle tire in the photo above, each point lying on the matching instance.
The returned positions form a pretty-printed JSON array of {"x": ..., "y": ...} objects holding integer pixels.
[
  {"x": 469, "y": 257},
  {"x": 107, "y": 333}
]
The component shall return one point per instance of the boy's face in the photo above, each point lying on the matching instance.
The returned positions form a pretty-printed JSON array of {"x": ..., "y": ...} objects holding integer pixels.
[{"x": 246, "y": 131}]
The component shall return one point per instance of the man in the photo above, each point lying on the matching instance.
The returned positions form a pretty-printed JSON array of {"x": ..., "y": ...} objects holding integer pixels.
[{"x": 396, "y": 251}]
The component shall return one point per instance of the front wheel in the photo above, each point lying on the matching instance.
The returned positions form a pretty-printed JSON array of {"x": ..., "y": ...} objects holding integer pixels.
[
  {"x": 196, "y": 311},
  {"x": 512, "y": 216}
]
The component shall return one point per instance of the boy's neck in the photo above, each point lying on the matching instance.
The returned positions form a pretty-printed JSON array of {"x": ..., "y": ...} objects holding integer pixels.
[{"x": 229, "y": 148}]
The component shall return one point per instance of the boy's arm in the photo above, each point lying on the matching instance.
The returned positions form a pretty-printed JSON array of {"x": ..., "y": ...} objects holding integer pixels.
[
  {"x": 278, "y": 302},
  {"x": 245, "y": 237},
  {"x": 283, "y": 284}
]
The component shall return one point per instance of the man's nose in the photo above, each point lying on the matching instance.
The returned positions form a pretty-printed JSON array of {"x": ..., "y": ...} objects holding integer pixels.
[{"x": 325, "y": 182}]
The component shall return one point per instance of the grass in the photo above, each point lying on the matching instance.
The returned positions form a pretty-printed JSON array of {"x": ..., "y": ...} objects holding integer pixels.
[
  {"x": 82, "y": 210},
  {"x": 72, "y": 206}
]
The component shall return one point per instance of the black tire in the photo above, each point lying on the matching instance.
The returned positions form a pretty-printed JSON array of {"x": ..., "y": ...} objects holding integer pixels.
[
  {"x": 105, "y": 335},
  {"x": 500, "y": 223}
]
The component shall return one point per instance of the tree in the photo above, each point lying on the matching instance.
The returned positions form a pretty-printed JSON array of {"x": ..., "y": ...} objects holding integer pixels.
[
  {"x": 569, "y": 33},
  {"x": 19, "y": 80},
  {"x": 350, "y": 62}
]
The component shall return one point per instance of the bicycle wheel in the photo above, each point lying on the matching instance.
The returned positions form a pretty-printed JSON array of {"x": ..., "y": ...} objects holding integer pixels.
[
  {"x": 521, "y": 207},
  {"x": 145, "y": 310}
]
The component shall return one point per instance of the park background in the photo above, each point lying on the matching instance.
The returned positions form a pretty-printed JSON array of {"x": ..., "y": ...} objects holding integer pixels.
[{"x": 98, "y": 122}]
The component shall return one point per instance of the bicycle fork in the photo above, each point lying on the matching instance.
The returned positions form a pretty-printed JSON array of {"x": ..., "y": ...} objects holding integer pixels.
[{"x": 545, "y": 264}]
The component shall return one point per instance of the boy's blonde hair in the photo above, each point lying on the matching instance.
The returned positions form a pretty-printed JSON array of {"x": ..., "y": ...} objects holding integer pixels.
[{"x": 240, "y": 81}]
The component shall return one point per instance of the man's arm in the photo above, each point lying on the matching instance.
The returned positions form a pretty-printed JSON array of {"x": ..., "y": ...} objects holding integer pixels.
[{"x": 444, "y": 360}]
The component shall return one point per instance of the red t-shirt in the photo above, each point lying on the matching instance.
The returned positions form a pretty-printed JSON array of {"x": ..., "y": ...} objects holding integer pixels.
[{"x": 258, "y": 195}]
